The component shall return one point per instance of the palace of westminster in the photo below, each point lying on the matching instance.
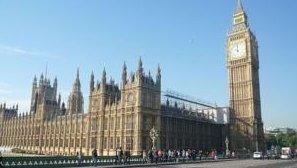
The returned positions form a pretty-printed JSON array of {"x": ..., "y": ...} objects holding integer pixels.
[{"x": 122, "y": 116}]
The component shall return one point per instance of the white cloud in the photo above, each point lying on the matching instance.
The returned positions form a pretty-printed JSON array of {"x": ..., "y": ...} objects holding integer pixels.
[
  {"x": 5, "y": 89},
  {"x": 16, "y": 51}
]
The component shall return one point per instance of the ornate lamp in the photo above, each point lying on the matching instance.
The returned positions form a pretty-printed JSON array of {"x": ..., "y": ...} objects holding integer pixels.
[
  {"x": 227, "y": 146},
  {"x": 154, "y": 134}
]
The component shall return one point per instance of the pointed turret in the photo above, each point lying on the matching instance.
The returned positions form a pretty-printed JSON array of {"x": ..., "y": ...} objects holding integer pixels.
[
  {"x": 41, "y": 79},
  {"x": 34, "y": 89},
  {"x": 140, "y": 68},
  {"x": 92, "y": 82},
  {"x": 76, "y": 85},
  {"x": 59, "y": 100},
  {"x": 239, "y": 16},
  {"x": 103, "y": 80},
  {"x": 75, "y": 100},
  {"x": 55, "y": 82},
  {"x": 158, "y": 75},
  {"x": 124, "y": 74},
  {"x": 239, "y": 8},
  {"x": 35, "y": 81}
]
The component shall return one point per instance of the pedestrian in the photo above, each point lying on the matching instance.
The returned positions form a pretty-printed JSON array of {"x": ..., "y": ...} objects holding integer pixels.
[
  {"x": 156, "y": 156},
  {"x": 159, "y": 155},
  {"x": 200, "y": 155},
  {"x": 117, "y": 156},
  {"x": 144, "y": 157},
  {"x": 121, "y": 155},
  {"x": 94, "y": 156},
  {"x": 233, "y": 154},
  {"x": 79, "y": 158},
  {"x": 151, "y": 156},
  {"x": 184, "y": 155},
  {"x": 177, "y": 155},
  {"x": 1, "y": 165}
]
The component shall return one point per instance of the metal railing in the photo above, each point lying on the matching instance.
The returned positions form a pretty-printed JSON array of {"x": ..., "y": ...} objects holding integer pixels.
[
  {"x": 72, "y": 161},
  {"x": 62, "y": 161}
]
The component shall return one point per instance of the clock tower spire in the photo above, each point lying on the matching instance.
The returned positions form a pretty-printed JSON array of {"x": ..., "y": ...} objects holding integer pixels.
[{"x": 246, "y": 127}]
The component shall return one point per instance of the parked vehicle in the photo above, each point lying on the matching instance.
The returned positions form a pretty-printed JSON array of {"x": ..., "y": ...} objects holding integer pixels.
[
  {"x": 257, "y": 155},
  {"x": 286, "y": 153}
]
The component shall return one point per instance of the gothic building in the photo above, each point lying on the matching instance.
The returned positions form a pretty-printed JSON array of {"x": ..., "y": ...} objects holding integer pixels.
[
  {"x": 246, "y": 126},
  {"x": 119, "y": 116},
  {"x": 122, "y": 115}
]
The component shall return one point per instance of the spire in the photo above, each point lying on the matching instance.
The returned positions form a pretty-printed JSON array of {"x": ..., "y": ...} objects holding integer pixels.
[
  {"x": 41, "y": 79},
  {"x": 92, "y": 82},
  {"x": 124, "y": 68},
  {"x": 239, "y": 8},
  {"x": 55, "y": 82},
  {"x": 239, "y": 16},
  {"x": 158, "y": 76},
  {"x": 124, "y": 74},
  {"x": 76, "y": 85},
  {"x": 59, "y": 100},
  {"x": 77, "y": 74},
  {"x": 34, "y": 81},
  {"x": 140, "y": 69},
  {"x": 103, "y": 76}
]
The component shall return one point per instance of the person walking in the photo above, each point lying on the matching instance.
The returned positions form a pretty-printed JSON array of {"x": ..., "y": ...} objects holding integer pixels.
[
  {"x": 1, "y": 165},
  {"x": 94, "y": 156},
  {"x": 79, "y": 158},
  {"x": 144, "y": 157},
  {"x": 121, "y": 155}
]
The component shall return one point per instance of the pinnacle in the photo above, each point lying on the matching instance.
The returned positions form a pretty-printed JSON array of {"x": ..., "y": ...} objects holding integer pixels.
[{"x": 239, "y": 7}]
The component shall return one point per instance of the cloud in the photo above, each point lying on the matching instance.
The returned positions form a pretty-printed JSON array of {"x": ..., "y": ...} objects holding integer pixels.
[
  {"x": 5, "y": 89},
  {"x": 16, "y": 51}
]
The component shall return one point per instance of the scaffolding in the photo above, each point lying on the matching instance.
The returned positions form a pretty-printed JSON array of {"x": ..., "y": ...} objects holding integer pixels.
[
  {"x": 186, "y": 101},
  {"x": 193, "y": 106}
]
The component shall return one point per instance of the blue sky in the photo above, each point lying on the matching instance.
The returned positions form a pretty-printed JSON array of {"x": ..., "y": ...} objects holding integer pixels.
[{"x": 187, "y": 38}]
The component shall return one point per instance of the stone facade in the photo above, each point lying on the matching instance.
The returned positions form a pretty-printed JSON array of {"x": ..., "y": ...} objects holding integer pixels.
[
  {"x": 246, "y": 126},
  {"x": 118, "y": 116}
]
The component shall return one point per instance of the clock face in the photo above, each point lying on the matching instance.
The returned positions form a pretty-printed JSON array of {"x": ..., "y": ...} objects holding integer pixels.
[{"x": 238, "y": 49}]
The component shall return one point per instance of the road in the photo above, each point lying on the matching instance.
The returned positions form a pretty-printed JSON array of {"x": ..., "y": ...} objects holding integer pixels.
[{"x": 238, "y": 164}]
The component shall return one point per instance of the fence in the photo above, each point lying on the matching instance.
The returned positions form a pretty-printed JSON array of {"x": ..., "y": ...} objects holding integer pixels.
[{"x": 61, "y": 161}]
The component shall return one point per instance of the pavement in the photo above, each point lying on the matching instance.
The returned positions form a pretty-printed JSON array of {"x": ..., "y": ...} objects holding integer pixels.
[
  {"x": 222, "y": 164},
  {"x": 239, "y": 164}
]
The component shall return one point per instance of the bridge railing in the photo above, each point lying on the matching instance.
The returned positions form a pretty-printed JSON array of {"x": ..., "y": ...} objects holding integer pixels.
[
  {"x": 72, "y": 161},
  {"x": 62, "y": 161}
]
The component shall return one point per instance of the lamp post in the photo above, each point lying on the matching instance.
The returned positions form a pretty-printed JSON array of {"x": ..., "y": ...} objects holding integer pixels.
[
  {"x": 227, "y": 146},
  {"x": 154, "y": 134}
]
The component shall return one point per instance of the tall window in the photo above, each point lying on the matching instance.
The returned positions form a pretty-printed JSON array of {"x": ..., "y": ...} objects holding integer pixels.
[
  {"x": 111, "y": 123},
  {"x": 129, "y": 122},
  {"x": 93, "y": 143},
  {"x": 129, "y": 143},
  {"x": 105, "y": 123},
  {"x": 105, "y": 143},
  {"x": 83, "y": 144},
  {"x": 111, "y": 143},
  {"x": 118, "y": 142},
  {"x": 94, "y": 124},
  {"x": 118, "y": 122}
]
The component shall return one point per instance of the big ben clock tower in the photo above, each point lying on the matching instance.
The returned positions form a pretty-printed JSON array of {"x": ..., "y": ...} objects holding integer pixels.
[{"x": 246, "y": 126}]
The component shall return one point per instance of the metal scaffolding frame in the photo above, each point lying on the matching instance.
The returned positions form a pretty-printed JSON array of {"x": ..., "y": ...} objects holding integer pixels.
[
  {"x": 193, "y": 106},
  {"x": 186, "y": 101}
]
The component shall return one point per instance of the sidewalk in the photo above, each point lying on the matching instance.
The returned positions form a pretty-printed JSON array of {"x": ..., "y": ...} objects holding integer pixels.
[{"x": 164, "y": 163}]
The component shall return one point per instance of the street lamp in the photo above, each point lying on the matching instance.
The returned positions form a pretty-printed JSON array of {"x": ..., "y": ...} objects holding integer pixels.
[
  {"x": 227, "y": 146},
  {"x": 154, "y": 134}
]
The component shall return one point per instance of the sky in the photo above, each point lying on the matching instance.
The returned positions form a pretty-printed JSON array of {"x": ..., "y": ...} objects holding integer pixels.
[{"x": 186, "y": 37}]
